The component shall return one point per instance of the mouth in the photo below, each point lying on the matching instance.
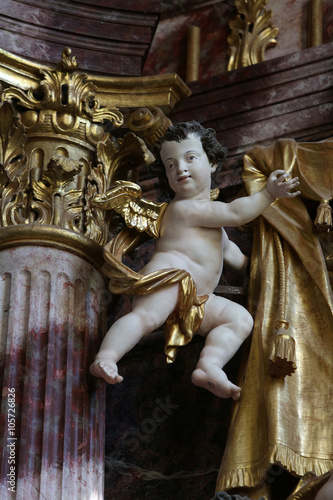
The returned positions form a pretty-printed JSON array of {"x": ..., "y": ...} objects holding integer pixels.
[{"x": 183, "y": 178}]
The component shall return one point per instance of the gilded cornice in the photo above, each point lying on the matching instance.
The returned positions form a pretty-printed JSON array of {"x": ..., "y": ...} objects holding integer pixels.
[{"x": 163, "y": 91}]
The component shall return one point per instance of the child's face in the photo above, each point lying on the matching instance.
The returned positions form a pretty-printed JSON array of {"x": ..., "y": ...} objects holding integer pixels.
[{"x": 187, "y": 168}]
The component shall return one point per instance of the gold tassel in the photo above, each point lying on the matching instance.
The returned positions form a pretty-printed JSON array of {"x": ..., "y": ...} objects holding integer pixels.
[
  {"x": 282, "y": 360},
  {"x": 323, "y": 220}
]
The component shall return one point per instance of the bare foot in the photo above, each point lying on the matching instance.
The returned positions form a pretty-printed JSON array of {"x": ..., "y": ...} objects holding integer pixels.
[
  {"x": 106, "y": 368},
  {"x": 216, "y": 381}
]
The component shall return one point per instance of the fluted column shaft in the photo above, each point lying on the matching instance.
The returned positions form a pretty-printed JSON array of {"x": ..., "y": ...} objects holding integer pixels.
[{"x": 52, "y": 318}]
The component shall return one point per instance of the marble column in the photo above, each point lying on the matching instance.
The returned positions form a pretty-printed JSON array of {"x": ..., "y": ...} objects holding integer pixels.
[{"x": 52, "y": 318}]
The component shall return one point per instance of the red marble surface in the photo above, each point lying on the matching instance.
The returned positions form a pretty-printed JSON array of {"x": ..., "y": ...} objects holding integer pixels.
[
  {"x": 105, "y": 37},
  {"x": 52, "y": 307},
  {"x": 327, "y": 21},
  {"x": 168, "y": 50},
  {"x": 291, "y": 17},
  {"x": 289, "y": 96}
]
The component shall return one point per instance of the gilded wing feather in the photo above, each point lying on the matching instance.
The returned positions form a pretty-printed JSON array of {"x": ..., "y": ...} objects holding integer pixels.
[{"x": 126, "y": 199}]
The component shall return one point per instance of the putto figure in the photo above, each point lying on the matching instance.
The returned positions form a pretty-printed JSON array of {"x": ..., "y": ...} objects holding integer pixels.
[{"x": 192, "y": 239}]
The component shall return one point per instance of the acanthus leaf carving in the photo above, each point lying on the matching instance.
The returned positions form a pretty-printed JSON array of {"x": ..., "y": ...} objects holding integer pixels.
[
  {"x": 14, "y": 204},
  {"x": 13, "y": 168},
  {"x": 252, "y": 32},
  {"x": 12, "y": 142},
  {"x": 41, "y": 203},
  {"x": 53, "y": 200},
  {"x": 116, "y": 159},
  {"x": 73, "y": 210},
  {"x": 119, "y": 159}
]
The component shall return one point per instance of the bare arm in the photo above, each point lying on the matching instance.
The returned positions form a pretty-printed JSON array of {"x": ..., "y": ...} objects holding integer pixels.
[
  {"x": 232, "y": 254},
  {"x": 247, "y": 208}
]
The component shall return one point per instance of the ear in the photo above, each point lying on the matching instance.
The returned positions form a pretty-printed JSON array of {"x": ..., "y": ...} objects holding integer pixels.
[{"x": 213, "y": 167}]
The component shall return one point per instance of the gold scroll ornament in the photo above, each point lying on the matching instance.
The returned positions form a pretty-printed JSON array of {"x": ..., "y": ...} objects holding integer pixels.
[{"x": 251, "y": 34}]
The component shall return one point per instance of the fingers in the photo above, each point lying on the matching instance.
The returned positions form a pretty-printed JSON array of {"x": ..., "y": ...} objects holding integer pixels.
[
  {"x": 280, "y": 172},
  {"x": 289, "y": 183},
  {"x": 292, "y": 182},
  {"x": 293, "y": 195},
  {"x": 286, "y": 177}
]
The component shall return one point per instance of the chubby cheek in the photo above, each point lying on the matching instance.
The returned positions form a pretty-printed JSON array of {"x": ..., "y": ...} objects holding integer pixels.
[{"x": 170, "y": 177}]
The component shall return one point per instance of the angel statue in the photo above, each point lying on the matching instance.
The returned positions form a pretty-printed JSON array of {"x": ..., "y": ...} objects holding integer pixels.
[{"x": 177, "y": 285}]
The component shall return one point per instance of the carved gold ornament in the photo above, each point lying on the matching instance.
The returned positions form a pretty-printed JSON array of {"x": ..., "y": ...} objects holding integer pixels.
[
  {"x": 56, "y": 158},
  {"x": 252, "y": 33}
]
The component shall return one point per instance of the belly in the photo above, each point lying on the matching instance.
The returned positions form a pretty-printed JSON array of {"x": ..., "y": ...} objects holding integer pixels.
[{"x": 205, "y": 273}]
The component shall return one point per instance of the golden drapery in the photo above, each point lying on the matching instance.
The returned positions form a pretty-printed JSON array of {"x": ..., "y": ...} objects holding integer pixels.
[
  {"x": 286, "y": 420},
  {"x": 184, "y": 322}
]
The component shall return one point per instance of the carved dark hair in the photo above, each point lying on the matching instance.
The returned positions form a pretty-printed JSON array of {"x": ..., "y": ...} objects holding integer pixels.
[{"x": 214, "y": 150}]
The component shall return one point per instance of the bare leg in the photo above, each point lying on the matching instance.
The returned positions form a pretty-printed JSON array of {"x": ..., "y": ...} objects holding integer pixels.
[
  {"x": 149, "y": 313},
  {"x": 228, "y": 325}
]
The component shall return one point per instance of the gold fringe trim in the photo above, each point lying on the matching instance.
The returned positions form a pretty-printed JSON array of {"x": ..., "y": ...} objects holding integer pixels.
[
  {"x": 251, "y": 476},
  {"x": 298, "y": 464}
]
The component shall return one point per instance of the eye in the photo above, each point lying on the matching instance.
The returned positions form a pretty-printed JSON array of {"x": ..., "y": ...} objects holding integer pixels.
[{"x": 191, "y": 157}]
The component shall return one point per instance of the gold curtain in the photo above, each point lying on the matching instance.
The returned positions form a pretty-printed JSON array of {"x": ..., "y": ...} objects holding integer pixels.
[{"x": 286, "y": 420}]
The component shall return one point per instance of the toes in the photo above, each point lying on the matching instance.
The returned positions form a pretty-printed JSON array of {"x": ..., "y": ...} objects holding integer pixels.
[
  {"x": 106, "y": 371},
  {"x": 236, "y": 394},
  {"x": 198, "y": 377},
  {"x": 218, "y": 384}
]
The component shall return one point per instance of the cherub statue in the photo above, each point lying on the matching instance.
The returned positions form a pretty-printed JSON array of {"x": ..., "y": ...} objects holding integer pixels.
[{"x": 192, "y": 242}]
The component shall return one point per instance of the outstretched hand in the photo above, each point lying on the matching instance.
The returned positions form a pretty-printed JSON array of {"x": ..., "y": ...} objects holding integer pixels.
[{"x": 280, "y": 184}]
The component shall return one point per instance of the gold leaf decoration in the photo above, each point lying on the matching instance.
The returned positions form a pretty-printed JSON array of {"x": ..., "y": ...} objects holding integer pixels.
[
  {"x": 42, "y": 202},
  {"x": 95, "y": 222},
  {"x": 64, "y": 168},
  {"x": 118, "y": 159},
  {"x": 13, "y": 204},
  {"x": 73, "y": 210},
  {"x": 53, "y": 200},
  {"x": 115, "y": 160},
  {"x": 68, "y": 62},
  {"x": 57, "y": 159},
  {"x": 252, "y": 33},
  {"x": 4, "y": 179},
  {"x": 13, "y": 168},
  {"x": 12, "y": 142},
  {"x": 67, "y": 91}
]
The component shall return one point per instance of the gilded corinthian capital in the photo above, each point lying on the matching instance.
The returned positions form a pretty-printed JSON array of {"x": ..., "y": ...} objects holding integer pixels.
[{"x": 59, "y": 146}]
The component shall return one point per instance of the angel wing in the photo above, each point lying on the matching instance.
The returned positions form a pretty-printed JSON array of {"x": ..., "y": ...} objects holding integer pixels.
[{"x": 126, "y": 199}]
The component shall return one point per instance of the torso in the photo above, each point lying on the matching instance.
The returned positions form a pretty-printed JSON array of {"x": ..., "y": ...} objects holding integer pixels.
[{"x": 197, "y": 250}]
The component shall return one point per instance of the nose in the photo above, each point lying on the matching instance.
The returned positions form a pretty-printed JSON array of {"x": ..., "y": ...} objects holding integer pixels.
[{"x": 182, "y": 167}]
